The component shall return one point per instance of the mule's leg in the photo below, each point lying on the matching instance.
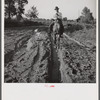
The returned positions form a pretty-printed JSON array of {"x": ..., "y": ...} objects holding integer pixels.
[
  {"x": 53, "y": 36},
  {"x": 55, "y": 39},
  {"x": 58, "y": 41}
]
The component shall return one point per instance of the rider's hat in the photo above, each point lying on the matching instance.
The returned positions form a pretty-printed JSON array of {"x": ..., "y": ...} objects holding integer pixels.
[{"x": 56, "y": 8}]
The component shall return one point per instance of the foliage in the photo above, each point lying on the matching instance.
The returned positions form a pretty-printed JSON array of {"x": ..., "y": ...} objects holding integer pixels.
[
  {"x": 32, "y": 13},
  {"x": 85, "y": 11},
  {"x": 65, "y": 19},
  {"x": 24, "y": 22},
  {"x": 14, "y": 7},
  {"x": 86, "y": 16},
  {"x": 72, "y": 27},
  {"x": 20, "y": 7},
  {"x": 10, "y": 9}
]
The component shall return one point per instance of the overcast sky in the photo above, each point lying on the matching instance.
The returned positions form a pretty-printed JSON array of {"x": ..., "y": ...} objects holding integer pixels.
[{"x": 69, "y": 8}]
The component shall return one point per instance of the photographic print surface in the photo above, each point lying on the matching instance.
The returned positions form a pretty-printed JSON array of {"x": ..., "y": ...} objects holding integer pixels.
[{"x": 50, "y": 41}]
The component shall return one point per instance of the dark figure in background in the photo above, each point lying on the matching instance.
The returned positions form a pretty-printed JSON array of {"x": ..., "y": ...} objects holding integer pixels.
[{"x": 57, "y": 16}]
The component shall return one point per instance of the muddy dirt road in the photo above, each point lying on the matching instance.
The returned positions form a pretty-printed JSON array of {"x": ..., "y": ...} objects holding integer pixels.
[{"x": 32, "y": 58}]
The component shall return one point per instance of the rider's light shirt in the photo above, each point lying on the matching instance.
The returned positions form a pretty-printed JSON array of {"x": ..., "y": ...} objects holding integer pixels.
[{"x": 58, "y": 15}]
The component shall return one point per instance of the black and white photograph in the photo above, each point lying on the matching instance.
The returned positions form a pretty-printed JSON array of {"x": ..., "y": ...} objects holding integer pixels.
[{"x": 50, "y": 41}]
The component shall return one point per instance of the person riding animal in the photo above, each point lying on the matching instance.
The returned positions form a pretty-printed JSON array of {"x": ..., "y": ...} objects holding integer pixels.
[{"x": 58, "y": 19}]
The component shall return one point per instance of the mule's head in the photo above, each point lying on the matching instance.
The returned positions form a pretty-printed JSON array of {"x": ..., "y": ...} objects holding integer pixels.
[{"x": 56, "y": 27}]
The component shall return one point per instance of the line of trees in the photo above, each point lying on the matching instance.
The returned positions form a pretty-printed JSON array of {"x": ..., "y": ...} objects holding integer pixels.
[{"x": 16, "y": 8}]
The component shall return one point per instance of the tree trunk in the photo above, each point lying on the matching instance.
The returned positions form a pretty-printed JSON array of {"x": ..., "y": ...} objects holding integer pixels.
[
  {"x": 9, "y": 15},
  {"x": 19, "y": 15}
]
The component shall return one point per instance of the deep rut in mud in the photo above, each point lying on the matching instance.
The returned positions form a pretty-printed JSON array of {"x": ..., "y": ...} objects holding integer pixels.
[
  {"x": 57, "y": 68},
  {"x": 55, "y": 75}
]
